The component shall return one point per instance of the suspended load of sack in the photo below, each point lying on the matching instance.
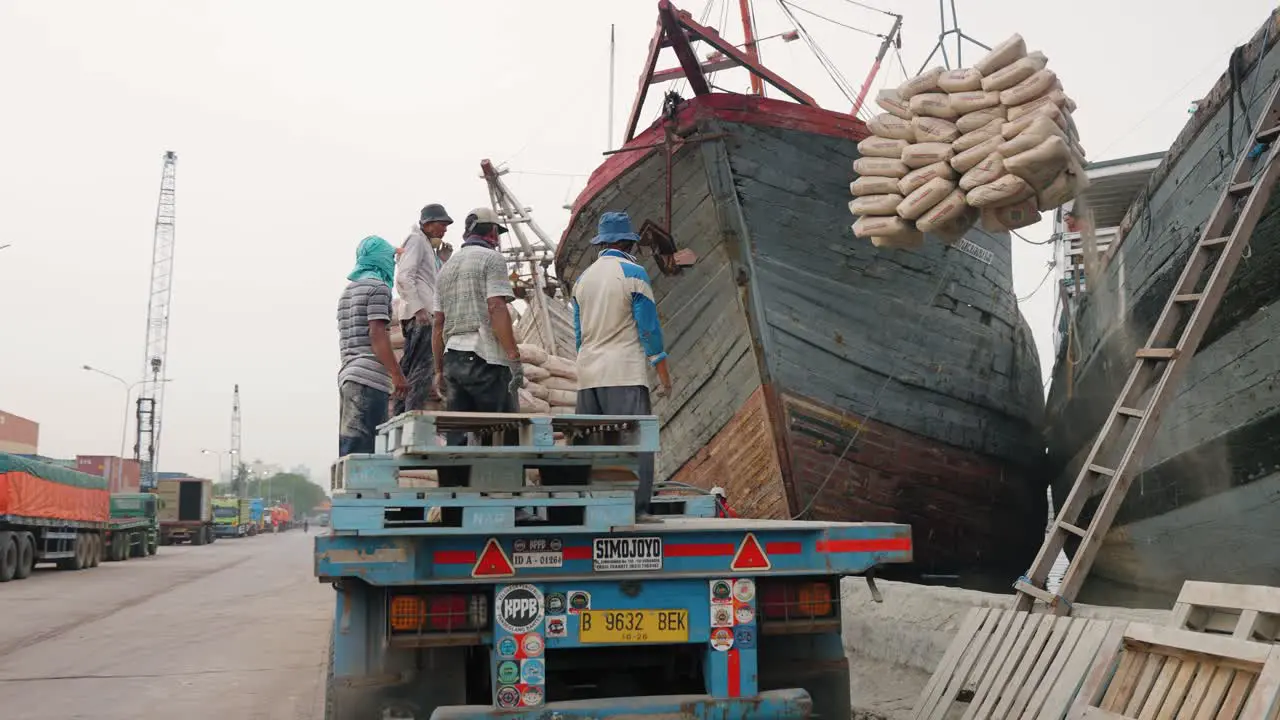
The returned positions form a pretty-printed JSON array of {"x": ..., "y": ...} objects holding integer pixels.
[
  {"x": 550, "y": 382},
  {"x": 994, "y": 142}
]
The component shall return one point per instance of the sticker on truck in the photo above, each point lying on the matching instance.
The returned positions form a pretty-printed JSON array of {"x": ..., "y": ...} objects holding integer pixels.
[
  {"x": 519, "y": 608},
  {"x": 614, "y": 554},
  {"x": 537, "y": 553}
]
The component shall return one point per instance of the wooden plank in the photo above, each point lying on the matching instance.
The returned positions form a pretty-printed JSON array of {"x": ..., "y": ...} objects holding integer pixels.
[
  {"x": 1006, "y": 631},
  {"x": 1074, "y": 632},
  {"x": 1037, "y": 677},
  {"x": 1097, "y": 655},
  {"x": 1263, "y": 701},
  {"x": 1226, "y": 595},
  {"x": 964, "y": 668},
  {"x": 932, "y": 693},
  {"x": 1245, "y": 625},
  {"x": 1093, "y": 713},
  {"x": 1155, "y": 700},
  {"x": 1228, "y": 649},
  {"x": 1138, "y": 695},
  {"x": 1178, "y": 691},
  {"x": 1196, "y": 694},
  {"x": 1121, "y": 684},
  {"x": 1236, "y": 696},
  {"x": 1214, "y": 696},
  {"x": 1029, "y": 660},
  {"x": 981, "y": 708}
]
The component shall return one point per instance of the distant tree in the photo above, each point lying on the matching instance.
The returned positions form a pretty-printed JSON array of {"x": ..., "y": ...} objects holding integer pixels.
[
  {"x": 240, "y": 478},
  {"x": 289, "y": 487}
]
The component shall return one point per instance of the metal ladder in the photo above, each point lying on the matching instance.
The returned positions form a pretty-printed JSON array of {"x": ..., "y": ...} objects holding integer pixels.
[{"x": 1132, "y": 424}]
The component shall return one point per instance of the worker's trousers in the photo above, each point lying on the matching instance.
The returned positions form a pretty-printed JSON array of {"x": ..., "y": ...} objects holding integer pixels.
[
  {"x": 417, "y": 366},
  {"x": 361, "y": 410}
]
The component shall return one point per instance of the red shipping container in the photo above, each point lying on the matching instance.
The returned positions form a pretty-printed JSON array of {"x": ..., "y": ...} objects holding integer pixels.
[
  {"x": 123, "y": 476},
  {"x": 39, "y": 490}
]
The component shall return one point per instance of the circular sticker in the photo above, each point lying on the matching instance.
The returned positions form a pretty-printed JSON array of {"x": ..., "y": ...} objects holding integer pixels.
[
  {"x": 555, "y": 604},
  {"x": 518, "y": 608},
  {"x": 533, "y": 696},
  {"x": 508, "y": 697},
  {"x": 533, "y": 644},
  {"x": 556, "y": 627},
  {"x": 533, "y": 672},
  {"x": 508, "y": 672},
  {"x": 554, "y": 545},
  {"x": 721, "y": 616},
  {"x": 744, "y": 590},
  {"x": 579, "y": 600},
  {"x": 507, "y": 647},
  {"x": 520, "y": 545},
  {"x": 744, "y": 615},
  {"x": 720, "y": 590},
  {"x": 721, "y": 639}
]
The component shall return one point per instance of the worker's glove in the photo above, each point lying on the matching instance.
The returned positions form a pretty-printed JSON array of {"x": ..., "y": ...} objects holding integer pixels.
[{"x": 517, "y": 377}]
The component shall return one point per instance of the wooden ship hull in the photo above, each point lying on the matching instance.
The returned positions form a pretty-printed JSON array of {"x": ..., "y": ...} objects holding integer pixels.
[
  {"x": 813, "y": 377},
  {"x": 1206, "y": 505}
]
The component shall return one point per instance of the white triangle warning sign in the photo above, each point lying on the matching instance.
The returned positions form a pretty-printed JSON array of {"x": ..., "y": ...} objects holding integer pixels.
[{"x": 493, "y": 562}]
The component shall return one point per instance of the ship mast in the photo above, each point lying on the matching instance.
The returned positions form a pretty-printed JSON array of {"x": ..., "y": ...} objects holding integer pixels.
[{"x": 751, "y": 48}]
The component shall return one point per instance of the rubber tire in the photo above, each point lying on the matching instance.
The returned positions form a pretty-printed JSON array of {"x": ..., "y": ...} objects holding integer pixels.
[
  {"x": 95, "y": 550},
  {"x": 197, "y": 538},
  {"x": 26, "y": 555},
  {"x": 137, "y": 545},
  {"x": 8, "y": 556},
  {"x": 81, "y": 548},
  {"x": 153, "y": 546}
]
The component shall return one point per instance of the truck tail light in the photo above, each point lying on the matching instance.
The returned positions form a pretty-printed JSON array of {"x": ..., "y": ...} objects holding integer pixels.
[
  {"x": 801, "y": 599},
  {"x": 440, "y": 612}
]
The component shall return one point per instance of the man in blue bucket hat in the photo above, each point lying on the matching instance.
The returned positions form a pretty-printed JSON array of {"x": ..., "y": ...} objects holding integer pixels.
[{"x": 615, "y": 322}]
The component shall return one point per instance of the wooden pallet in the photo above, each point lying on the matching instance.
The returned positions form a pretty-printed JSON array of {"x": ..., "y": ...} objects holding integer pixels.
[
  {"x": 1148, "y": 672},
  {"x": 1014, "y": 665},
  {"x": 1245, "y": 612}
]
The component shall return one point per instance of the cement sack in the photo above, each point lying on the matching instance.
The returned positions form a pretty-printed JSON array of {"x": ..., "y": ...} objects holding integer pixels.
[
  {"x": 961, "y": 80},
  {"x": 1004, "y": 190},
  {"x": 1002, "y": 55},
  {"x": 1010, "y": 217},
  {"x": 563, "y": 410},
  {"x": 926, "y": 81},
  {"x": 875, "y": 204},
  {"x": 931, "y": 129},
  {"x": 535, "y": 373},
  {"x": 559, "y": 383},
  {"x": 970, "y": 102},
  {"x": 979, "y": 136},
  {"x": 876, "y": 146},
  {"x": 1066, "y": 187},
  {"x": 531, "y": 404},
  {"x": 531, "y": 354},
  {"x": 562, "y": 398},
  {"x": 873, "y": 185},
  {"x": 974, "y": 120},
  {"x": 880, "y": 167},
  {"x": 916, "y": 178},
  {"x": 1041, "y": 60},
  {"x": 924, "y": 198},
  {"x": 951, "y": 231},
  {"x": 989, "y": 170},
  {"x": 889, "y": 100},
  {"x": 909, "y": 240},
  {"x": 965, "y": 161},
  {"x": 921, "y": 154},
  {"x": 1049, "y": 114},
  {"x": 949, "y": 208},
  {"x": 1053, "y": 97},
  {"x": 1039, "y": 84},
  {"x": 1041, "y": 164},
  {"x": 892, "y": 126},
  {"x": 881, "y": 226},
  {"x": 936, "y": 105},
  {"x": 561, "y": 367},
  {"x": 1011, "y": 75},
  {"x": 1027, "y": 141},
  {"x": 537, "y": 390}
]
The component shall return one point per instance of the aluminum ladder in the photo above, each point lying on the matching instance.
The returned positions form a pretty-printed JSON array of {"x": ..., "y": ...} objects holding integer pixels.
[{"x": 1132, "y": 424}]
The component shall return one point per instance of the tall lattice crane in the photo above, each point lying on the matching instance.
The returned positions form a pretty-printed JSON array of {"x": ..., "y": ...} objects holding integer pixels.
[
  {"x": 151, "y": 400},
  {"x": 241, "y": 484}
]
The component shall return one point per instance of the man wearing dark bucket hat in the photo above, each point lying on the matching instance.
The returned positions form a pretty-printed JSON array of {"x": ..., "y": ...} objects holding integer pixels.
[
  {"x": 615, "y": 321},
  {"x": 416, "y": 273}
]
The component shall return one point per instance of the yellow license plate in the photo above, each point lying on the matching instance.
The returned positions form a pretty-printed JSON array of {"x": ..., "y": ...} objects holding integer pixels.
[{"x": 633, "y": 626}]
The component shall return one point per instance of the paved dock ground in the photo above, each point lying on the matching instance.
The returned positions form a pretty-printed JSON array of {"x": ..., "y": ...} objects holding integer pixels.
[{"x": 237, "y": 629}]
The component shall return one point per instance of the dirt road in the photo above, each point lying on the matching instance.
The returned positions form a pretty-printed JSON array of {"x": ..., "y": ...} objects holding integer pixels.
[{"x": 237, "y": 629}]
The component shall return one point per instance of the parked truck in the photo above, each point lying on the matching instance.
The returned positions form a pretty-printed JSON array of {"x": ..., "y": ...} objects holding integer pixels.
[
  {"x": 53, "y": 514},
  {"x": 447, "y": 606},
  {"x": 186, "y": 510},
  {"x": 256, "y": 515},
  {"x": 134, "y": 530},
  {"x": 231, "y": 516}
]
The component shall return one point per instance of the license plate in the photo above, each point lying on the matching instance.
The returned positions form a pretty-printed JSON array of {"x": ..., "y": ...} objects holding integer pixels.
[
  {"x": 633, "y": 626},
  {"x": 537, "y": 560}
]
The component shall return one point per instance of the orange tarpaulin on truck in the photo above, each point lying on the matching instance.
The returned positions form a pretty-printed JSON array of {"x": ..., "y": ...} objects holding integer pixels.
[{"x": 64, "y": 495}]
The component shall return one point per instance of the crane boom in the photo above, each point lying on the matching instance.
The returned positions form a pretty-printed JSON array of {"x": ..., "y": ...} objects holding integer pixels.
[
  {"x": 242, "y": 487},
  {"x": 151, "y": 399}
]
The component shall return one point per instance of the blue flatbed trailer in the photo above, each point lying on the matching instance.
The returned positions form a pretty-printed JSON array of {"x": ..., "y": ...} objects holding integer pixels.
[{"x": 544, "y": 602}]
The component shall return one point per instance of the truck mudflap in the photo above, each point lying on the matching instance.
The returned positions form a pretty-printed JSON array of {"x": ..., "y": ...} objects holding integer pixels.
[{"x": 773, "y": 704}]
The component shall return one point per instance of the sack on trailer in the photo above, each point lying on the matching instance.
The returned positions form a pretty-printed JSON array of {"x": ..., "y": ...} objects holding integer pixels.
[
  {"x": 873, "y": 185},
  {"x": 1004, "y": 190},
  {"x": 1036, "y": 133},
  {"x": 1010, "y": 217},
  {"x": 1012, "y": 74},
  {"x": 534, "y": 373},
  {"x": 561, "y": 367},
  {"x": 949, "y": 208},
  {"x": 988, "y": 170},
  {"x": 892, "y": 103},
  {"x": 883, "y": 226},
  {"x": 892, "y": 126},
  {"x": 875, "y": 204},
  {"x": 531, "y": 404},
  {"x": 559, "y": 383},
  {"x": 1041, "y": 164},
  {"x": 536, "y": 389},
  {"x": 924, "y": 198},
  {"x": 880, "y": 167},
  {"x": 934, "y": 104},
  {"x": 932, "y": 129},
  {"x": 531, "y": 354},
  {"x": 970, "y": 102},
  {"x": 1049, "y": 113},
  {"x": 876, "y": 146},
  {"x": 977, "y": 137},
  {"x": 922, "y": 154},
  {"x": 562, "y": 398},
  {"x": 1039, "y": 84},
  {"x": 914, "y": 179},
  {"x": 1054, "y": 97},
  {"x": 974, "y": 120},
  {"x": 926, "y": 81},
  {"x": 965, "y": 161},
  {"x": 960, "y": 80},
  {"x": 950, "y": 231},
  {"x": 1066, "y": 187},
  {"x": 1002, "y": 55}
]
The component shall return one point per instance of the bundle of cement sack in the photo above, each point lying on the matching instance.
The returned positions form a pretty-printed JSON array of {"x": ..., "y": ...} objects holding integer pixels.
[
  {"x": 994, "y": 141},
  {"x": 550, "y": 382}
]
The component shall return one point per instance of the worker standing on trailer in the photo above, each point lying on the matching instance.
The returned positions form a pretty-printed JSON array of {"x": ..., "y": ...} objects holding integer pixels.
[
  {"x": 416, "y": 273},
  {"x": 477, "y": 362},
  {"x": 369, "y": 374}
]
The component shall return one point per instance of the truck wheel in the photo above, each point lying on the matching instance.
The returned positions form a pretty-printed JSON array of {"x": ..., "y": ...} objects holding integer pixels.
[
  {"x": 95, "y": 550},
  {"x": 213, "y": 536},
  {"x": 197, "y": 537},
  {"x": 152, "y": 546},
  {"x": 137, "y": 545},
  {"x": 80, "y": 546},
  {"x": 8, "y": 556},
  {"x": 26, "y": 555}
]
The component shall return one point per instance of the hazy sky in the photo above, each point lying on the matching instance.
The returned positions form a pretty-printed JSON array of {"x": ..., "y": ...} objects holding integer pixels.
[{"x": 302, "y": 127}]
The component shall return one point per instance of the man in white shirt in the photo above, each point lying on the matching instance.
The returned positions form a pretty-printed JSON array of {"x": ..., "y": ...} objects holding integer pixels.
[{"x": 417, "y": 270}]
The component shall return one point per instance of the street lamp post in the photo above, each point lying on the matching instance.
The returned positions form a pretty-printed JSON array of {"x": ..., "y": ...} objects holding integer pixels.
[
  {"x": 230, "y": 454},
  {"x": 124, "y": 424}
]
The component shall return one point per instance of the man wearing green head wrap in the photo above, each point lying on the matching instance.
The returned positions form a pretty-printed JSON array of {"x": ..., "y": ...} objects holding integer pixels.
[{"x": 369, "y": 373}]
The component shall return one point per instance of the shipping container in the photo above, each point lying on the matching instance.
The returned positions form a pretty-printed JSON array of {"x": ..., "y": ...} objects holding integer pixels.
[
  {"x": 123, "y": 475},
  {"x": 18, "y": 435},
  {"x": 186, "y": 510}
]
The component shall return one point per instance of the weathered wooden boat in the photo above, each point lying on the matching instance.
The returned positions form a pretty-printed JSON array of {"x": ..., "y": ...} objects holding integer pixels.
[
  {"x": 1206, "y": 505},
  {"x": 816, "y": 375}
]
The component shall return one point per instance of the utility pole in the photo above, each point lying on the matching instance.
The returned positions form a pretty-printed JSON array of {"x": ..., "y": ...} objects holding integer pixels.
[
  {"x": 151, "y": 399},
  {"x": 242, "y": 487}
]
